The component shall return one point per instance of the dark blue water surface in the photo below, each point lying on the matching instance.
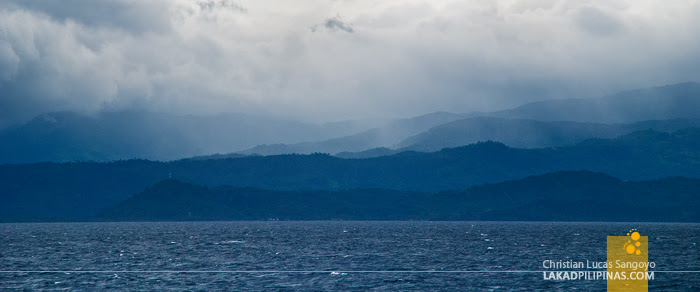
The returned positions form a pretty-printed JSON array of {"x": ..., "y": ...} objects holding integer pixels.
[{"x": 328, "y": 246}]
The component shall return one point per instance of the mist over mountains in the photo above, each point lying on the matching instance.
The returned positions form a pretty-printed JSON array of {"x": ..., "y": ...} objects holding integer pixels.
[
  {"x": 385, "y": 136},
  {"x": 440, "y": 166},
  {"x": 521, "y": 133},
  {"x": 540, "y": 124},
  {"x": 677, "y": 101},
  {"x": 349, "y": 110},
  {"x": 67, "y": 136}
]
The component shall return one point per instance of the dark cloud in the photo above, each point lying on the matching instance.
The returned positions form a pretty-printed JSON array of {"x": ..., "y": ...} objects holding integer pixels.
[{"x": 336, "y": 23}]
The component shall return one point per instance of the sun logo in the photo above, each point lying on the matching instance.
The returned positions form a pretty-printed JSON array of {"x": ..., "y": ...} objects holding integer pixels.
[{"x": 632, "y": 246}]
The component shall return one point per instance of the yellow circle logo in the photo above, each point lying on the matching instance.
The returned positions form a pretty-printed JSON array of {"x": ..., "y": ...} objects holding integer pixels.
[{"x": 632, "y": 246}]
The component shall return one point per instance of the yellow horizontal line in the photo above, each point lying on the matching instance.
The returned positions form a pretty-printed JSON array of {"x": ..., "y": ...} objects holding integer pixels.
[{"x": 323, "y": 271}]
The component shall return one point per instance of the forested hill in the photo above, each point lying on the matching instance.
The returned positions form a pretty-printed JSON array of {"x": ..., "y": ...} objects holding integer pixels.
[
  {"x": 560, "y": 196},
  {"x": 637, "y": 156}
]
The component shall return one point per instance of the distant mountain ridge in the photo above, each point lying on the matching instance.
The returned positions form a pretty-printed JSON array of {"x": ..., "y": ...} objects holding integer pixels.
[
  {"x": 533, "y": 125},
  {"x": 385, "y": 136},
  {"x": 559, "y": 196},
  {"x": 675, "y": 101},
  {"x": 521, "y": 133},
  {"x": 66, "y": 188},
  {"x": 65, "y": 136}
]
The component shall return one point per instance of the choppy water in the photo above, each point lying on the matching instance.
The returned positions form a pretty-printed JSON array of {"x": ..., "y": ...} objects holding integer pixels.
[{"x": 327, "y": 246}]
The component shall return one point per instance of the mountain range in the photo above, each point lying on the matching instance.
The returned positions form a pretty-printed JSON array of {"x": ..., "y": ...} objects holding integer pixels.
[
  {"x": 534, "y": 162},
  {"x": 588, "y": 197},
  {"x": 539, "y": 124},
  {"x": 387, "y": 135},
  {"x": 522, "y": 133},
  {"x": 107, "y": 136},
  {"x": 675, "y": 101},
  {"x": 81, "y": 189}
]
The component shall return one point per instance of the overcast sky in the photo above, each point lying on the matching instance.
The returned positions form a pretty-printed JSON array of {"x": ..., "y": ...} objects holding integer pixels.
[{"x": 334, "y": 60}]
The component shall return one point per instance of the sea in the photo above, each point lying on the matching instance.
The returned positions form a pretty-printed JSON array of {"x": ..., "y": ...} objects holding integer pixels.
[{"x": 327, "y": 255}]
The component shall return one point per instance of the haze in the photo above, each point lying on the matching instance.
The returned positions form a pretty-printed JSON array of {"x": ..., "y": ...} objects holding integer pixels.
[{"x": 333, "y": 60}]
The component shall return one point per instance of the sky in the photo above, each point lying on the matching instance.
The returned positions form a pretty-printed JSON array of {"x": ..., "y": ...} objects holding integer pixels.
[{"x": 334, "y": 60}]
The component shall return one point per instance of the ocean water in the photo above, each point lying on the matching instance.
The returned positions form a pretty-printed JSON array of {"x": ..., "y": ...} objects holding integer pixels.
[{"x": 327, "y": 246}]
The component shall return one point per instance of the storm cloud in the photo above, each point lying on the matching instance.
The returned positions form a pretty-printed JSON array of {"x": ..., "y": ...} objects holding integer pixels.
[{"x": 382, "y": 59}]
